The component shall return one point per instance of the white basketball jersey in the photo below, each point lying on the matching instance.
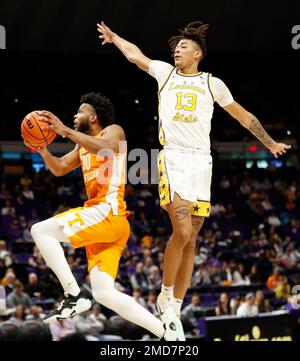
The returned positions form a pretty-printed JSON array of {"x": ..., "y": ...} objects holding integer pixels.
[{"x": 185, "y": 111}]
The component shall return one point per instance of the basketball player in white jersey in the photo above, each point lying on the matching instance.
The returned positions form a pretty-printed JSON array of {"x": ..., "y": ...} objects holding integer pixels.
[{"x": 186, "y": 103}]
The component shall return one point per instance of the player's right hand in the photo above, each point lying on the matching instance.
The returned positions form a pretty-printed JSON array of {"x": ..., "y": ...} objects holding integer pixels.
[
  {"x": 106, "y": 33},
  {"x": 40, "y": 150}
]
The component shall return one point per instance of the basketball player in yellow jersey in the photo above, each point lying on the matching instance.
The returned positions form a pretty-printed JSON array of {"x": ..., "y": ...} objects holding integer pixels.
[
  {"x": 186, "y": 100},
  {"x": 101, "y": 225}
]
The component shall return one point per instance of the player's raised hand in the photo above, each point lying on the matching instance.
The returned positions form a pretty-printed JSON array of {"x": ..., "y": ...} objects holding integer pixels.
[
  {"x": 279, "y": 149},
  {"x": 105, "y": 33},
  {"x": 54, "y": 122}
]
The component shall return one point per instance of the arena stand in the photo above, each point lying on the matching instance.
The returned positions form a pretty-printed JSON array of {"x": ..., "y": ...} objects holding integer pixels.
[{"x": 248, "y": 253}]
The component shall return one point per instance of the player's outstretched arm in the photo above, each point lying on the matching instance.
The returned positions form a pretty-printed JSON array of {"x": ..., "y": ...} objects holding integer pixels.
[
  {"x": 250, "y": 122},
  {"x": 131, "y": 51},
  {"x": 58, "y": 166}
]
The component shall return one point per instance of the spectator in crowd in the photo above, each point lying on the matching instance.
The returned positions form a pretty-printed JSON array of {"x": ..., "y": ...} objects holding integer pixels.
[
  {"x": 240, "y": 277},
  {"x": 5, "y": 255},
  {"x": 97, "y": 315},
  {"x": 35, "y": 288},
  {"x": 154, "y": 279},
  {"x": 223, "y": 307},
  {"x": 273, "y": 279},
  {"x": 19, "y": 316},
  {"x": 18, "y": 297},
  {"x": 283, "y": 288},
  {"x": 248, "y": 308},
  {"x": 190, "y": 311},
  {"x": 139, "y": 280},
  {"x": 8, "y": 281},
  {"x": 35, "y": 313},
  {"x": 151, "y": 302},
  {"x": 261, "y": 302},
  {"x": 86, "y": 325},
  {"x": 61, "y": 329},
  {"x": 137, "y": 296}
]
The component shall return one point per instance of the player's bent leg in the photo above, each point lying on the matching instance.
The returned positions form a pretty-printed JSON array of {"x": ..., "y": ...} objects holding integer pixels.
[
  {"x": 104, "y": 292},
  {"x": 47, "y": 236}
]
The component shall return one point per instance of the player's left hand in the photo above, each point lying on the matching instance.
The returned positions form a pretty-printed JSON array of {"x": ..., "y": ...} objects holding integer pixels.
[
  {"x": 54, "y": 122},
  {"x": 279, "y": 148}
]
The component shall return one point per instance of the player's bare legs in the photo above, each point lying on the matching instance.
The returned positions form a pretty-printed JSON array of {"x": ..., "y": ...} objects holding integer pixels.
[
  {"x": 184, "y": 274},
  {"x": 179, "y": 212}
]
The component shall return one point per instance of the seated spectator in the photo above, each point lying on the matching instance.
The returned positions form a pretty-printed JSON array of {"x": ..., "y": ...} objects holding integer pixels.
[
  {"x": 139, "y": 279},
  {"x": 27, "y": 233},
  {"x": 273, "y": 279},
  {"x": 201, "y": 276},
  {"x": 223, "y": 307},
  {"x": 8, "y": 209},
  {"x": 261, "y": 302},
  {"x": 18, "y": 297},
  {"x": 137, "y": 296},
  {"x": 190, "y": 311},
  {"x": 5, "y": 256},
  {"x": 35, "y": 288},
  {"x": 35, "y": 313},
  {"x": 19, "y": 316},
  {"x": 151, "y": 302},
  {"x": 248, "y": 308},
  {"x": 283, "y": 288},
  {"x": 154, "y": 279},
  {"x": 97, "y": 315},
  {"x": 148, "y": 263},
  {"x": 254, "y": 276},
  {"x": 8, "y": 282},
  {"x": 240, "y": 277},
  {"x": 61, "y": 329},
  {"x": 86, "y": 325},
  {"x": 28, "y": 193}
]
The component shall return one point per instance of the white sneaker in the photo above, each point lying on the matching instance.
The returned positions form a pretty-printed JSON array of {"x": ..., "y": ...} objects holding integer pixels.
[{"x": 174, "y": 330}]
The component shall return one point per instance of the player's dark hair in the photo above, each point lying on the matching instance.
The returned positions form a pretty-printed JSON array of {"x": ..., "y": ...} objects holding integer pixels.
[
  {"x": 103, "y": 107},
  {"x": 195, "y": 31}
]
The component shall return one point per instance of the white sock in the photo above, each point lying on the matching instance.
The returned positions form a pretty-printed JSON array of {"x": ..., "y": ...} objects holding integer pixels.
[
  {"x": 167, "y": 292},
  {"x": 46, "y": 236},
  {"x": 178, "y": 304},
  {"x": 124, "y": 305}
]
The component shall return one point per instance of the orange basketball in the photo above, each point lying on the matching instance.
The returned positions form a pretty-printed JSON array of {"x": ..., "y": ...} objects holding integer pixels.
[{"x": 31, "y": 130}]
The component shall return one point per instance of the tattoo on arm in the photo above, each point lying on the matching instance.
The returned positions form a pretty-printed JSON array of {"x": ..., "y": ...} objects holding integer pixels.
[
  {"x": 182, "y": 212},
  {"x": 257, "y": 129}
]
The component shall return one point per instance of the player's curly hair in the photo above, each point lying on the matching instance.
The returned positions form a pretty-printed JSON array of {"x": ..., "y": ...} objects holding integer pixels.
[
  {"x": 195, "y": 31},
  {"x": 103, "y": 107}
]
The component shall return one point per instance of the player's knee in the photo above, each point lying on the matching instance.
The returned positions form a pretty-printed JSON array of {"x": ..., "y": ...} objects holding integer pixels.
[
  {"x": 35, "y": 230},
  {"x": 101, "y": 296},
  {"x": 183, "y": 235}
]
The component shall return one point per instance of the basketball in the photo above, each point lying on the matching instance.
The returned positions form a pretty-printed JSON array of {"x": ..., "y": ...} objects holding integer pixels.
[{"x": 31, "y": 130}]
